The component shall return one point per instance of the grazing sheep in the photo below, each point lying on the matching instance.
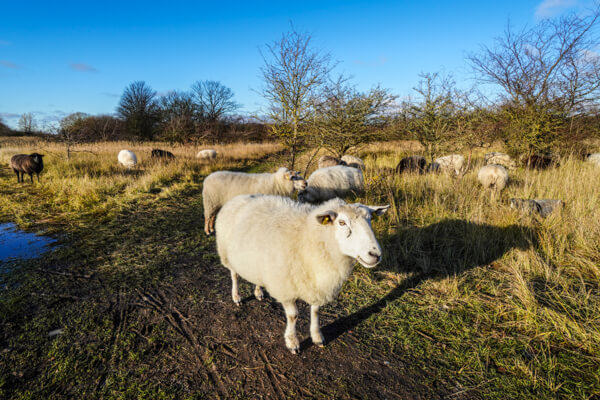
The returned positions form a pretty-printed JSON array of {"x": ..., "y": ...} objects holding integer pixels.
[
  {"x": 594, "y": 158},
  {"x": 327, "y": 183},
  {"x": 452, "y": 164},
  {"x": 27, "y": 164},
  {"x": 538, "y": 161},
  {"x": 353, "y": 161},
  {"x": 329, "y": 161},
  {"x": 543, "y": 207},
  {"x": 411, "y": 164},
  {"x": 221, "y": 186},
  {"x": 295, "y": 251},
  {"x": 208, "y": 154},
  {"x": 500, "y": 159},
  {"x": 164, "y": 154},
  {"x": 493, "y": 176},
  {"x": 127, "y": 158}
]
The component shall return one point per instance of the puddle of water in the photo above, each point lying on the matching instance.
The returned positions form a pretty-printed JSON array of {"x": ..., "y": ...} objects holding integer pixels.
[{"x": 15, "y": 243}]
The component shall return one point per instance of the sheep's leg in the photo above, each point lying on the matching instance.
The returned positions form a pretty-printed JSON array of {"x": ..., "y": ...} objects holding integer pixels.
[
  {"x": 258, "y": 293},
  {"x": 31, "y": 177},
  {"x": 315, "y": 330},
  {"x": 291, "y": 314},
  {"x": 207, "y": 225},
  {"x": 213, "y": 217},
  {"x": 17, "y": 172},
  {"x": 234, "y": 288}
]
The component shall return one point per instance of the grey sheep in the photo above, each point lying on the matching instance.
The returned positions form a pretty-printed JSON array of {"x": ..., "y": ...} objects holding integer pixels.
[
  {"x": 27, "y": 164},
  {"x": 329, "y": 161},
  {"x": 500, "y": 159},
  {"x": 543, "y": 207}
]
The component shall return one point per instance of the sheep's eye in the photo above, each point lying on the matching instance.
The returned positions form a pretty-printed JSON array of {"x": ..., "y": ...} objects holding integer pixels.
[{"x": 342, "y": 223}]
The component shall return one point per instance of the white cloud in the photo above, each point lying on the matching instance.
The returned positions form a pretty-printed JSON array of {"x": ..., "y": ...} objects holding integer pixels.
[{"x": 550, "y": 8}]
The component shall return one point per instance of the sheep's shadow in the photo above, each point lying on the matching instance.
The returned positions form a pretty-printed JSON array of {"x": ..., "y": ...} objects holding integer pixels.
[{"x": 445, "y": 248}]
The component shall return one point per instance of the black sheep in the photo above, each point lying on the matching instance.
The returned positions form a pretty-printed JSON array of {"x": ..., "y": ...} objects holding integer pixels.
[
  {"x": 27, "y": 164},
  {"x": 158, "y": 153},
  {"x": 539, "y": 161},
  {"x": 411, "y": 164}
]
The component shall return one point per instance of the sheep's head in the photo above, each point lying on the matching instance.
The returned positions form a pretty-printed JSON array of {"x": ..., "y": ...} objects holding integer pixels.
[
  {"x": 353, "y": 232},
  {"x": 293, "y": 176},
  {"x": 37, "y": 158}
]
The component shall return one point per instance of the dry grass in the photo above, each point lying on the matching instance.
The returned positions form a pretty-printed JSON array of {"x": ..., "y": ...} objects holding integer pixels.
[
  {"x": 506, "y": 304},
  {"x": 93, "y": 184},
  {"x": 500, "y": 294}
]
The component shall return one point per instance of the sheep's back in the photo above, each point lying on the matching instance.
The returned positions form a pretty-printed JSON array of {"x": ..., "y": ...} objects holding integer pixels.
[
  {"x": 24, "y": 163},
  {"x": 258, "y": 237}
]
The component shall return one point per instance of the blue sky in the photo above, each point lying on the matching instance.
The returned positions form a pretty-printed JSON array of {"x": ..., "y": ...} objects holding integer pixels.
[{"x": 56, "y": 59}]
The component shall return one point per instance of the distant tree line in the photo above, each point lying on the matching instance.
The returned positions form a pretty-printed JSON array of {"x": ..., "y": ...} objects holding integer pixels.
[
  {"x": 537, "y": 91},
  {"x": 544, "y": 83}
]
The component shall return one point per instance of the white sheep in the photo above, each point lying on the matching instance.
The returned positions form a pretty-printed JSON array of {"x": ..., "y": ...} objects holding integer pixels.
[
  {"x": 453, "y": 163},
  {"x": 353, "y": 161},
  {"x": 295, "y": 251},
  {"x": 329, "y": 182},
  {"x": 208, "y": 154},
  {"x": 493, "y": 176},
  {"x": 221, "y": 186},
  {"x": 127, "y": 158},
  {"x": 500, "y": 159},
  {"x": 594, "y": 158}
]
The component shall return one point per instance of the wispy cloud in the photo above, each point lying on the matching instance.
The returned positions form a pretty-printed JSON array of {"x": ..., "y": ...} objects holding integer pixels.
[
  {"x": 9, "y": 64},
  {"x": 550, "y": 8},
  {"x": 82, "y": 67},
  {"x": 372, "y": 63},
  {"x": 109, "y": 94},
  {"x": 5, "y": 43},
  {"x": 8, "y": 115}
]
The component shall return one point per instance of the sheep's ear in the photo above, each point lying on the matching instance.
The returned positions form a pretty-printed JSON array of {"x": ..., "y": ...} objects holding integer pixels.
[
  {"x": 326, "y": 218},
  {"x": 378, "y": 210}
]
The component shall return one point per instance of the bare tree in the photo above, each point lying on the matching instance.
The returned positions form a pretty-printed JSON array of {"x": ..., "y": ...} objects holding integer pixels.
[
  {"x": 71, "y": 130},
  {"x": 213, "y": 100},
  {"x": 346, "y": 118},
  {"x": 293, "y": 72},
  {"x": 27, "y": 123},
  {"x": 178, "y": 116},
  {"x": 4, "y": 129},
  {"x": 139, "y": 110},
  {"x": 548, "y": 74},
  {"x": 430, "y": 116}
]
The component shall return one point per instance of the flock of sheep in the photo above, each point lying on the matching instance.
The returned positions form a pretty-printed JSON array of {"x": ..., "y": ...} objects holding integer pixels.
[
  {"x": 305, "y": 249},
  {"x": 128, "y": 159},
  {"x": 302, "y": 249}
]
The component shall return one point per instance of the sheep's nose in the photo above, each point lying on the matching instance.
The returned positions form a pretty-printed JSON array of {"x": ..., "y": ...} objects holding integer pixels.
[{"x": 375, "y": 255}]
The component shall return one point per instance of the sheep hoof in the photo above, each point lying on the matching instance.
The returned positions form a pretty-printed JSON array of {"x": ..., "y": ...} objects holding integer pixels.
[
  {"x": 320, "y": 344},
  {"x": 237, "y": 301},
  {"x": 293, "y": 345},
  {"x": 258, "y": 293}
]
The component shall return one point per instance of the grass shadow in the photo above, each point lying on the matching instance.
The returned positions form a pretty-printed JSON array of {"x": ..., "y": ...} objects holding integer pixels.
[{"x": 436, "y": 251}]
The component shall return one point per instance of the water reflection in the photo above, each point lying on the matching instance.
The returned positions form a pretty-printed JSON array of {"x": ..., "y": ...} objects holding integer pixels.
[{"x": 15, "y": 243}]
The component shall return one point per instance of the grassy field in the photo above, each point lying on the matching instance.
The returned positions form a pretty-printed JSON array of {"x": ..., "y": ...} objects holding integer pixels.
[{"x": 472, "y": 299}]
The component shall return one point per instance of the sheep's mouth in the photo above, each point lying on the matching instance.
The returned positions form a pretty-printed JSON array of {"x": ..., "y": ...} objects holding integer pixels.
[{"x": 366, "y": 264}]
